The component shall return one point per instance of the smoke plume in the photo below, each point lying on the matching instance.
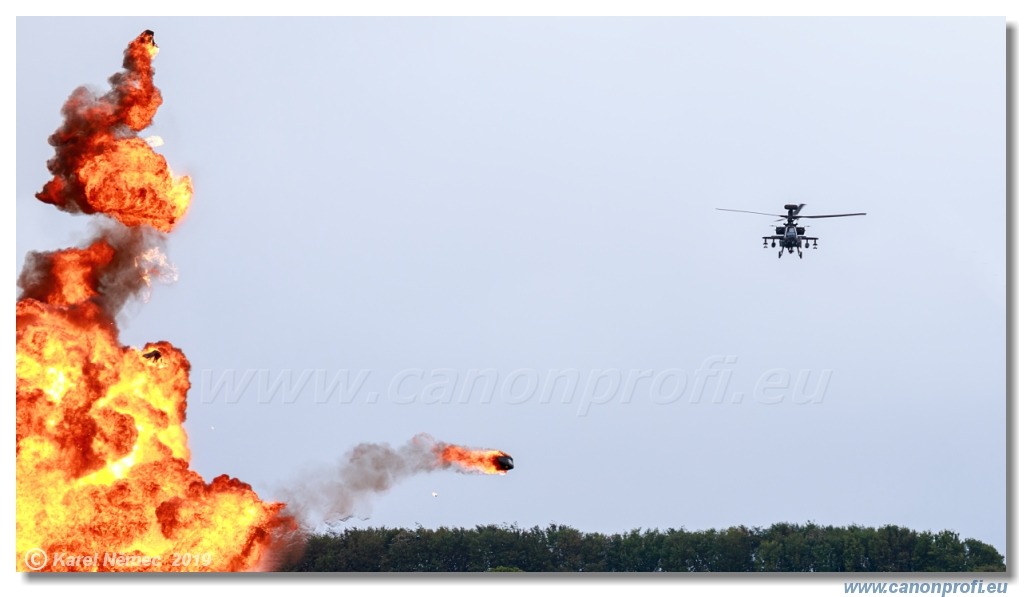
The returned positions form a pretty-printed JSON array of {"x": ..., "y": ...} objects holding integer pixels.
[{"x": 118, "y": 264}]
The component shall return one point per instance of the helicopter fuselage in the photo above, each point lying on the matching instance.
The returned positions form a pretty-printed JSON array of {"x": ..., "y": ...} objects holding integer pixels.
[{"x": 790, "y": 238}]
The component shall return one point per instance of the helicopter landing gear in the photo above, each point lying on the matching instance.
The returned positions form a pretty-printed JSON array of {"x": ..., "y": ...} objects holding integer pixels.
[{"x": 780, "y": 253}]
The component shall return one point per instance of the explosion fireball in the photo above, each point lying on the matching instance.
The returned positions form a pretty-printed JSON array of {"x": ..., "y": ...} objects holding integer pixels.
[
  {"x": 102, "y": 456},
  {"x": 100, "y": 163}
]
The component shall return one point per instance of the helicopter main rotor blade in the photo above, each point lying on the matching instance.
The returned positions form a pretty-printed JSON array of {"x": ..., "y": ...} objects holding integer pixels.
[
  {"x": 752, "y": 212},
  {"x": 833, "y": 215}
]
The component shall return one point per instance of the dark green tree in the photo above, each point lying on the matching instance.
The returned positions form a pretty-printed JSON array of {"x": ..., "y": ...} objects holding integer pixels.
[
  {"x": 981, "y": 557},
  {"x": 783, "y": 547}
]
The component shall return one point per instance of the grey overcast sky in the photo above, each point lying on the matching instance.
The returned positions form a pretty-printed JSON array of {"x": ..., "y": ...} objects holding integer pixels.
[{"x": 416, "y": 202}]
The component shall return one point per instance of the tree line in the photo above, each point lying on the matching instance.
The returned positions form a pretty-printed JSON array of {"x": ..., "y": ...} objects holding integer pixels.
[{"x": 782, "y": 547}]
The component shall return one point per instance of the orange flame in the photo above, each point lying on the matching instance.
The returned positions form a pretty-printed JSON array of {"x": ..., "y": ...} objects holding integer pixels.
[
  {"x": 102, "y": 457},
  {"x": 477, "y": 461},
  {"x": 100, "y": 163}
]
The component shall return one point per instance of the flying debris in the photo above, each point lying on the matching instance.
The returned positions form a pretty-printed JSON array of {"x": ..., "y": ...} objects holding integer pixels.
[
  {"x": 490, "y": 462},
  {"x": 153, "y": 355}
]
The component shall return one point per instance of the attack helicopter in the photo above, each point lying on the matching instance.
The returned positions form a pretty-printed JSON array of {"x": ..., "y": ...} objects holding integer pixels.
[{"x": 791, "y": 235}]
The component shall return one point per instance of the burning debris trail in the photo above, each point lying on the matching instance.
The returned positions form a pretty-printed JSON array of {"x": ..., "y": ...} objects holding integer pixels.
[
  {"x": 102, "y": 458},
  {"x": 369, "y": 469}
]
